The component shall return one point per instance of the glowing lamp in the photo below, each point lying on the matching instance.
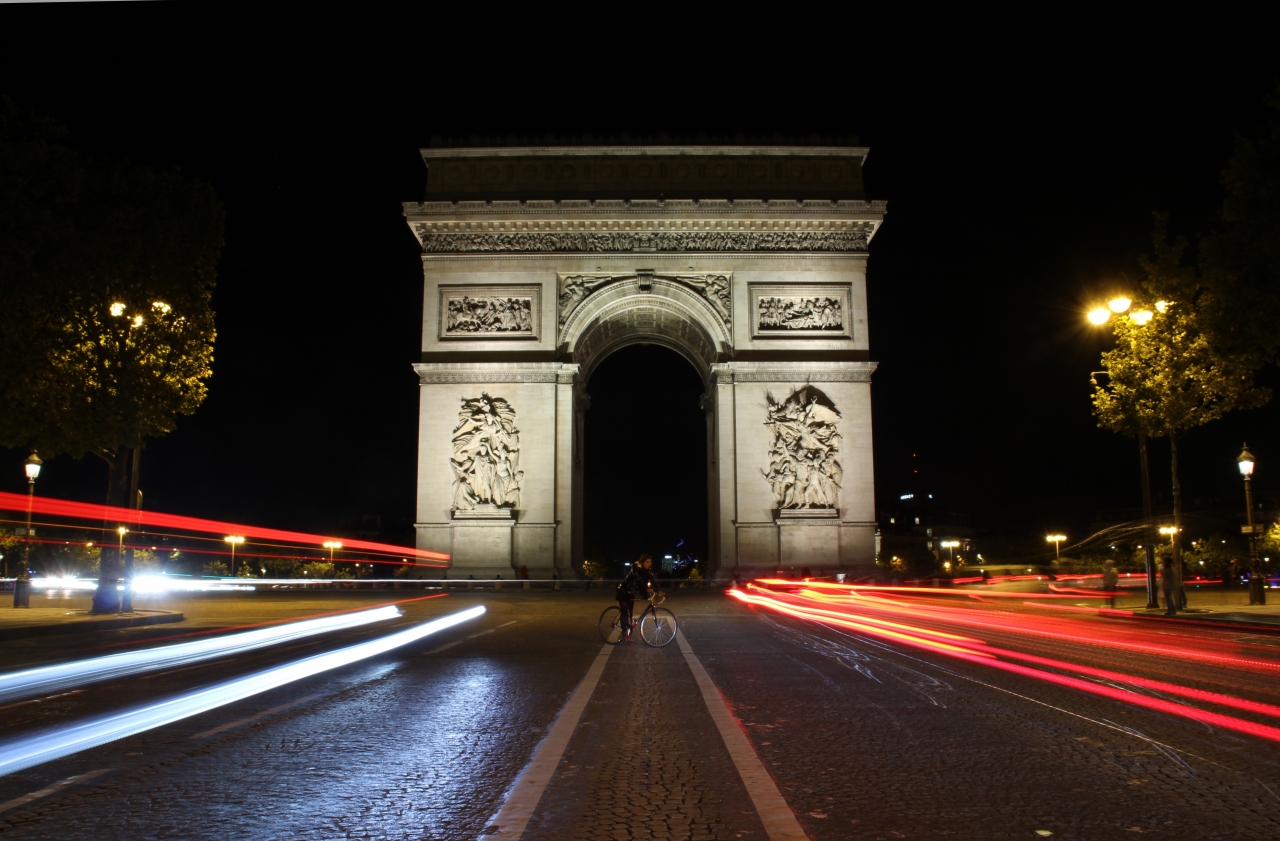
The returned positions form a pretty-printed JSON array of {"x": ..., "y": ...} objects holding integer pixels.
[
  {"x": 117, "y": 309},
  {"x": 1142, "y": 316},
  {"x": 1169, "y": 530},
  {"x": 1099, "y": 315},
  {"x": 1161, "y": 306},
  {"x": 122, "y": 531},
  {"x": 33, "y": 466},
  {"x": 1119, "y": 305},
  {"x": 1244, "y": 462}
]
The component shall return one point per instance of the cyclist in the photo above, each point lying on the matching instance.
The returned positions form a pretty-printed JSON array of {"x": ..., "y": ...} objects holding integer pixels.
[{"x": 638, "y": 583}]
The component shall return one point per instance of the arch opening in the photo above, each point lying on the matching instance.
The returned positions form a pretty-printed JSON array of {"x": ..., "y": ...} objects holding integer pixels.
[{"x": 645, "y": 457}]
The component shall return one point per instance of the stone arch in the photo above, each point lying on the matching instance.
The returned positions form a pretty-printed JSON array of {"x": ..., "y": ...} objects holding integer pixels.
[{"x": 646, "y": 309}]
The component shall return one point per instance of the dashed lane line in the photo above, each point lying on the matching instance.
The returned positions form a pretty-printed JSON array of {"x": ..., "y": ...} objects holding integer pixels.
[
  {"x": 510, "y": 822},
  {"x": 53, "y": 789},
  {"x": 447, "y": 646},
  {"x": 39, "y": 700},
  {"x": 779, "y": 821}
]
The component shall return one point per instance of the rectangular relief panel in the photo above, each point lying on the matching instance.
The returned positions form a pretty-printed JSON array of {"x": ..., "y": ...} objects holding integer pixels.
[
  {"x": 490, "y": 312},
  {"x": 801, "y": 311}
]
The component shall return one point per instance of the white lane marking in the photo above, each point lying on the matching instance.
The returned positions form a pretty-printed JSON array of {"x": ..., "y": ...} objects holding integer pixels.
[
  {"x": 510, "y": 822},
  {"x": 45, "y": 698},
  {"x": 45, "y": 792},
  {"x": 262, "y": 714},
  {"x": 778, "y": 819},
  {"x": 449, "y": 645}
]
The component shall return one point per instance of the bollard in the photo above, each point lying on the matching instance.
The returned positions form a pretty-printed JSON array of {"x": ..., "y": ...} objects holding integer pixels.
[
  {"x": 555, "y": 585},
  {"x": 526, "y": 584},
  {"x": 22, "y": 593}
]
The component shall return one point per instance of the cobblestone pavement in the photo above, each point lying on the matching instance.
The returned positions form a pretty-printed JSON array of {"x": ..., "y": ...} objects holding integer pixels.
[{"x": 865, "y": 741}]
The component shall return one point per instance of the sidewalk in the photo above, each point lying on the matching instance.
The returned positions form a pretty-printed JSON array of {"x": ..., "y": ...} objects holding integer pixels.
[
  {"x": 1210, "y": 603},
  {"x": 26, "y": 622}
]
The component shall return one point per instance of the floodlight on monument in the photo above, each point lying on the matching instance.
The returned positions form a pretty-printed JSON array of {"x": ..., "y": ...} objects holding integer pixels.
[
  {"x": 33, "y": 466},
  {"x": 1099, "y": 315},
  {"x": 1142, "y": 317},
  {"x": 1120, "y": 304}
]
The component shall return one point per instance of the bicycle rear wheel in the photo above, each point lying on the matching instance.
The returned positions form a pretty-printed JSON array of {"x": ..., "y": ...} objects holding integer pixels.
[
  {"x": 658, "y": 627},
  {"x": 610, "y": 625}
]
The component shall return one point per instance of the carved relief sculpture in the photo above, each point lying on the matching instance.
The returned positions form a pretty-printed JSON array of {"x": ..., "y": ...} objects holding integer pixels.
[
  {"x": 781, "y": 314},
  {"x": 486, "y": 455},
  {"x": 803, "y": 469},
  {"x": 485, "y": 312},
  {"x": 477, "y": 316}
]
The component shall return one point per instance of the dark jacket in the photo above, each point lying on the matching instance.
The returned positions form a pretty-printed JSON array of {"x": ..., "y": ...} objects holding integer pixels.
[{"x": 636, "y": 584}]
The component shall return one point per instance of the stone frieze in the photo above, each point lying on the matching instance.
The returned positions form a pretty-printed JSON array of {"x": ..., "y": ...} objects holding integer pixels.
[{"x": 443, "y": 242}]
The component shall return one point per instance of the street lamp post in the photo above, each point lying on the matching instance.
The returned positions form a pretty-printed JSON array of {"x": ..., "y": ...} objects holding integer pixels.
[
  {"x": 125, "y": 604},
  {"x": 1100, "y": 316},
  {"x": 331, "y": 545},
  {"x": 950, "y": 546},
  {"x": 1056, "y": 540},
  {"x": 1257, "y": 582},
  {"x": 234, "y": 541},
  {"x": 22, "y": 582}
]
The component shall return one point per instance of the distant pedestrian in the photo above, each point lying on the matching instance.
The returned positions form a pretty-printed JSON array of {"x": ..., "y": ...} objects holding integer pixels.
[
  {"x": 524, "y": 573},
  {"x": 1168, "y": 587},
  {"x": 1110, "y": 580}
]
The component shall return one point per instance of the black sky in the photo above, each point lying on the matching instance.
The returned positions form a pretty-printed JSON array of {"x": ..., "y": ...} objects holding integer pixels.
[{"x": 1021, "y": 161}]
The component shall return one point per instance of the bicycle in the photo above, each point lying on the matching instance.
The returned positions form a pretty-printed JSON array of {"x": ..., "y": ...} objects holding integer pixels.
[{"x": 657, "y": 624}]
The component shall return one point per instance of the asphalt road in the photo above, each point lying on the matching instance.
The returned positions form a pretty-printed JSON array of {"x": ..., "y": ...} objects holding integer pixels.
[{"x": 864, "y": 738}]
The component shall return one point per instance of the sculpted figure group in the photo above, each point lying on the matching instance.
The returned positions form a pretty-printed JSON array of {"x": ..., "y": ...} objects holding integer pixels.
[
  {"x": 803, "y": 469},
  {"x": 486, "y": 455},
  {"x": 489, "y": 315},
  {"x": 800, "y": 314}
]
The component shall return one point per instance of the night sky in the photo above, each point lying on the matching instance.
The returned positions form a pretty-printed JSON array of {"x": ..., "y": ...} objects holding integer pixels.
[{"x": 1020, "y": 181}]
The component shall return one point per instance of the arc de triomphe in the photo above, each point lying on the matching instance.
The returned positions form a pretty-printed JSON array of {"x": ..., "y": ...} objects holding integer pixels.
[{"x": 749, "y": 262}]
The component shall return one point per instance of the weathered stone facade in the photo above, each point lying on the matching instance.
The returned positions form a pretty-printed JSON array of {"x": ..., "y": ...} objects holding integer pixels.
[{"x": 764, "y": 295}]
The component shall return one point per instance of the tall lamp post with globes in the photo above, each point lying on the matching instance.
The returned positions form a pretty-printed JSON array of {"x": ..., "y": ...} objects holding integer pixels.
[
  {"x": 233, "y": 540},
  {"x": 22, "y": 583},
  {"x": 1056, "y": 540},
  {"x": 1098, "y": 317},
  {"x": 1257, "y": 581}
]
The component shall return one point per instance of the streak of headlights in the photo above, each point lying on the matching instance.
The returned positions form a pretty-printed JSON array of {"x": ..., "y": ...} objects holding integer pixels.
[
  {"x": 55, "y": 742},
  {"x": 45, "y": 679}
]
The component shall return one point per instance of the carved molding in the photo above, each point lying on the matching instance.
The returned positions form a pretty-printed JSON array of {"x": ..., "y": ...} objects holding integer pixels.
[
  {"x": 623, "y": 241},
  {"x": 490, "y": 312},
  {"x": 790, "y": 377},
  {"x": 436, "y": 377}
]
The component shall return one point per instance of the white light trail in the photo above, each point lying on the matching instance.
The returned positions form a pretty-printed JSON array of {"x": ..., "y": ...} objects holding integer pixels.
[
  {"x": 53, "y": 743},
  {"x": 46, "y": 679}
]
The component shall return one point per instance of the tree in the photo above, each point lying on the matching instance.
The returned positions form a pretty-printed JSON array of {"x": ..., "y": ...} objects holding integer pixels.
[
  {"x": 1167, "y": 374},
  {"x": 107, "y": 275}
]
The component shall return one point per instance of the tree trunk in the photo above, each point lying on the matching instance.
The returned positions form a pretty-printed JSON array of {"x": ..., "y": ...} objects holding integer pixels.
[
  {"x": 1179, "y": 593},
  {"x": 106, "y": 599}
]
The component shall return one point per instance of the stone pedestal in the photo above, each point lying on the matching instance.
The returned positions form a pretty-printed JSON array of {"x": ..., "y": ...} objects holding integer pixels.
[
  {"x": 482, "y": 542},
  {"x": 808, "y": 537}
]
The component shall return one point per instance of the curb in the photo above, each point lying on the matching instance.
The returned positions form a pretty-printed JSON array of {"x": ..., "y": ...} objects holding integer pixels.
[
  {"x": 1206, "y": 621},
  {"x": 86, "y": 625}
]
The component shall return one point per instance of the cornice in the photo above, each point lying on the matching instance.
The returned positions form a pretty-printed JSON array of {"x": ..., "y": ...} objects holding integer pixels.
[
  {"x": 657, "y": 208},
  {"x": 431, "y": 153}
]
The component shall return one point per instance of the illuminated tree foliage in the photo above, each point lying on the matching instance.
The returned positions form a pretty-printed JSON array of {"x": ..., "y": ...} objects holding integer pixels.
[{"x": 106, "y": 275}]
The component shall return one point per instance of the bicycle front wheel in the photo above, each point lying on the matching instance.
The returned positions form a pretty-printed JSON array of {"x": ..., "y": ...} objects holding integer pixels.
[
  {"x": 610, "y": 625},
  {"x": 658, "y": 627}
]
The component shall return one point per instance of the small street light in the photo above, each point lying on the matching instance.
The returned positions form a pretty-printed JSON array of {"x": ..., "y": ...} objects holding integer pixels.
[
  {"x": 22, "y": 582},
  {"x": 950, "y": 546},
  {"x": 1257, "y": 582},
  {"x": 1056, "y": 540},
  {"x": 234, "y": 540}
]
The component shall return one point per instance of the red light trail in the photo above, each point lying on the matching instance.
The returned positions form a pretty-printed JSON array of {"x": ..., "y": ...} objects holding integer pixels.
[
  {"x": 875, "y": 613},
  {"x": 94, "y": 512}
]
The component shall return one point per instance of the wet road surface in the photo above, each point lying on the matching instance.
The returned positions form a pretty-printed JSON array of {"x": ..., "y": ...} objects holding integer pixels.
[{"x": 863, "y": 739}]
